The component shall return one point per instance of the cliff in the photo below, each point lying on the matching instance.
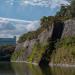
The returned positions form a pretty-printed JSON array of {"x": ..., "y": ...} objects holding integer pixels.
[{"x": 34, "y": 50}]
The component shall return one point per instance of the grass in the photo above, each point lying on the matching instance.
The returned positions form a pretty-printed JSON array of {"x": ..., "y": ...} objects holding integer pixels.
[
  {"x": 37, "y": 51},
  {"x": 65, "y": 51},
  {"x": 17, "y": 54}
]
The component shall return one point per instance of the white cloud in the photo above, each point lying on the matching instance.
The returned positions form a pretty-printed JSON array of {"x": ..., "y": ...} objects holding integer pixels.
[
  {"x": 36, "y": 2},
  {"x": 15, "y": 20},
  {"x": 44, "y": 3},
  {"x": 13, "y": 27},
  {"x": 32, "y": 26}
]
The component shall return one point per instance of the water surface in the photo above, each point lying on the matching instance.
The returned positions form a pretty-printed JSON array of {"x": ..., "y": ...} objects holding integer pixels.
[{"x": 28, "y": 69}]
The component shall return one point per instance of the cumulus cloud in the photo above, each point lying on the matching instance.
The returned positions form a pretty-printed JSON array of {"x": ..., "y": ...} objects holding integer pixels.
[
  {"x": 32, "y": 26},
  {"x": 7, "y": 26},
  {"x": 12, "y": 27}
]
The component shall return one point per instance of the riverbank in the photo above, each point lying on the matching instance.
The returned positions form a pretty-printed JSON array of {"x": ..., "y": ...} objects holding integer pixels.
[
  {"x": 50, "y": 64},
  {"x": 64, "y": 53},
  {"x": 62, "y": 65}
]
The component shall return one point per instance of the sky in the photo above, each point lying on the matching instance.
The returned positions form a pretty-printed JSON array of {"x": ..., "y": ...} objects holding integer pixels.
[{"x": 20, "y": 16}]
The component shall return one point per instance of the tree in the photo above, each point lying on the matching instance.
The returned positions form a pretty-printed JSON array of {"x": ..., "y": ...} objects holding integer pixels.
[
  {"x": 73, "y": 8},
  {"x": 46, "y": 22},
  {"x": 63, "y": 11}
]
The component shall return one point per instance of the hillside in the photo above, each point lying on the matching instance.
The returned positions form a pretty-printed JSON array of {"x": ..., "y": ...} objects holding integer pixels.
[
  {"x": 53, "y": 42},
  {"x": 33, "y": 50}
]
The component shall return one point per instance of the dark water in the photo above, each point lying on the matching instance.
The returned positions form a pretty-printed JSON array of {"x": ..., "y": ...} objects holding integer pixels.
[{"x": 27, "y": 69}]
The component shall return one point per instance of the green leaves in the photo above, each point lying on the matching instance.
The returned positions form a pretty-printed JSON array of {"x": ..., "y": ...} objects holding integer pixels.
[
  {"x": 46, "y": 21},
  {"x": 73, "y": 8}
]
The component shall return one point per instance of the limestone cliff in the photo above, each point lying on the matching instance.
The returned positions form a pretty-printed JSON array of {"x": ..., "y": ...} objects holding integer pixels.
[{"x": 32, "y": 50}]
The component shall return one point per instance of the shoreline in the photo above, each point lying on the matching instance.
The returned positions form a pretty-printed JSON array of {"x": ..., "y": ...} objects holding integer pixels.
[
  {"x": 50, "y": 64},
  {"x": 62, "y": 65},
  {"x": 24, "y": 62},
  {"x": 36, "y": 64}
]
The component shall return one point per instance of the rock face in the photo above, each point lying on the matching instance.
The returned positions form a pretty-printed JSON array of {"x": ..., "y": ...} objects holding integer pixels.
[
  {"x": 28, "y": 44},
  {"x": 69, "y": 30}
]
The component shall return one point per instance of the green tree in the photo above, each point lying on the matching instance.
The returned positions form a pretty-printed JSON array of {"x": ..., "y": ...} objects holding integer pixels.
[
  {"x": 46, "y": 22},
  {"x": 73, "y": 8}
]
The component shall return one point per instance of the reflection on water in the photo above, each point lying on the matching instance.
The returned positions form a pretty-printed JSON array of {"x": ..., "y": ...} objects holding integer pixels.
[
  {"x": 6, "y": 69},
  {"x": 27, "y": 69}
]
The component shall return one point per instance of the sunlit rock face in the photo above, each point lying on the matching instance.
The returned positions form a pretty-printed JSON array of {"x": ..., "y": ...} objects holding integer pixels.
[
  {"x": 69, "y": 29},
  {"x": 43, "y": 39}
]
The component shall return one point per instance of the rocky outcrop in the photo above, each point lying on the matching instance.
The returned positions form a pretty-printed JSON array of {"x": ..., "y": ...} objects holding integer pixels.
[
  {"x": 28, "y": 45},
  {"x": 68, "y": 30}
]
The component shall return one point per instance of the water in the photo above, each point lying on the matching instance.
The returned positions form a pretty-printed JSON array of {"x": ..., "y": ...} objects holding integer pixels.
[{"x": 28, "y": 69}]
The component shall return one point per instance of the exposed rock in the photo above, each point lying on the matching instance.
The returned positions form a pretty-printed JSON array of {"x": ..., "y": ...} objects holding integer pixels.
[
  {"x": 28, "y": 45},
  {"x": 45, "y": 35},
  {"x": 69, "y": 30}
]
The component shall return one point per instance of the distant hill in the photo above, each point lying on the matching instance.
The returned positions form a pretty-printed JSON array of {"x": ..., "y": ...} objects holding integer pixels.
[{"x": 8, "y": 41}]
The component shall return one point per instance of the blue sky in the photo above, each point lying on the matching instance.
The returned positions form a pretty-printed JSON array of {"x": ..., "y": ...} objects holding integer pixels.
[{"x": 20, "y": 16}]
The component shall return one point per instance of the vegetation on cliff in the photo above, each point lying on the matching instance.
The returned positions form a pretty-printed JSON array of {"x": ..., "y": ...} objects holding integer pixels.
[
  {"x": 65, "y": 51},
  {"x": 37, "y": 51},
  {"x": 65, "y": 13},
  {"x": 45, "y": 22},
  {"x": 64, "y": 48},
  {"x": 17, "y": 54}
]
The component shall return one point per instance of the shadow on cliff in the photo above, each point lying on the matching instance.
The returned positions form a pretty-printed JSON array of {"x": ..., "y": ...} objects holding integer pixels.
[{"x": 58, "y": 28}]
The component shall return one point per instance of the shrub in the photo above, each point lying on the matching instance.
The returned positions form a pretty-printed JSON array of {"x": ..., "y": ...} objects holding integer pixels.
[
  {"x": 37, "y": 51},
  {"x": 17, "y": 54}
]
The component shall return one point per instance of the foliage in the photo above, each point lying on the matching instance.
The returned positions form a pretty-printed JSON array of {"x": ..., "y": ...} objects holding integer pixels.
[
  {"x": 17, "y": 54},
  {"x": 73, "y": 8},
  {"x": 68, "y": 10},
  {"x": 65, "y": 13},
  {"x": 62, "y": 11},
  {"x": 65, "y": 47},
  {"x": 6, "y": 52},
  {"x": 27, "y": 36},
  {"x": 66, "y": 41},
  {"x": 65, "y": 51},
  {"x": 46, "y": 22},
  {"x": 37, "y": 51}
]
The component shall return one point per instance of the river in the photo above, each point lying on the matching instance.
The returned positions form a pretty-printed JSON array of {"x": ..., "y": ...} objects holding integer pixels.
[{"x": 28, "y": 69}]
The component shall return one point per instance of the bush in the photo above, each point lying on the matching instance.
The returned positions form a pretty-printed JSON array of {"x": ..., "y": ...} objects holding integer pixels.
[
  {"x": 37, "y": 51},
  {"x": 65, "y": 51},
  {"x": 17, "y": 54},
  {"x": 65, "y": 42}
]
